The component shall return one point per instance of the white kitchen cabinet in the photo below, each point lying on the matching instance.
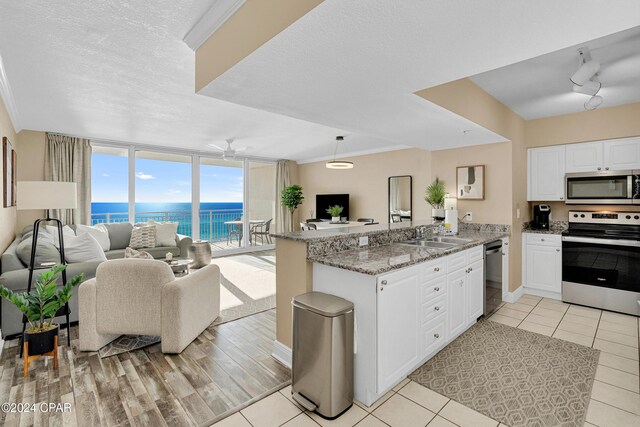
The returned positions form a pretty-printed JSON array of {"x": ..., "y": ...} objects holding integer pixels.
[
  {"x": 542, "y": 264},
  {"x": 457, "y": 302},
  {"x": 398, "y": 325},
  {"x": 475, "y": 291},
  {"x": 546, "y": 173},
  {"x": 584, "y": 157},
  {"x": 622, "y": 154}
]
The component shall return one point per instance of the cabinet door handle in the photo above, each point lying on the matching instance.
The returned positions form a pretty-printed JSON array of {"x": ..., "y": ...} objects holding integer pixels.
[
  {"x": 606, "y": 169},
  {"x": 504, "y": 254},
  {"x": 436, "y": 336},
  {"x": 436, "y": 308},
  {"x": 561, "y": 198},
  {"x": 557, "y": 250},
  {"x": 437, "y": 289},
  {"x": 436, "y": 269},
  {"x": 384, "y": 282},
  {"x": 506, "y": 243},
  {"x": 542, "y": 240},
  {"x": 470, "y": 269},
  {"x": 599, "y": 168}
]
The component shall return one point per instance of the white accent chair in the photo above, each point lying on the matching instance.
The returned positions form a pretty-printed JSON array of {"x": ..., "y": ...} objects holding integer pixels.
[{"x": 143, "y": 297}]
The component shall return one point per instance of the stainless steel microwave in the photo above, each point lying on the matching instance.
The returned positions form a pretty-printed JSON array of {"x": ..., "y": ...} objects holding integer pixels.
[{"x": 603, "y": 188}]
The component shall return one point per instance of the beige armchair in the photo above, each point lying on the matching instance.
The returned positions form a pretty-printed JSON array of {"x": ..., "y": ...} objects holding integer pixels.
[{"x": 143, "y": 297}]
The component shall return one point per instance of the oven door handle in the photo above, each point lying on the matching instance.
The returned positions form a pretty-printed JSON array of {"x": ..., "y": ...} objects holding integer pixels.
[{"x": 612, "y": 242}]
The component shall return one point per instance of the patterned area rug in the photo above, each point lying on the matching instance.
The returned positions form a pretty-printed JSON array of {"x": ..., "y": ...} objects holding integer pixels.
[
  {"x": 127, "y": 343},
  {"x": 517, "y": 377}
]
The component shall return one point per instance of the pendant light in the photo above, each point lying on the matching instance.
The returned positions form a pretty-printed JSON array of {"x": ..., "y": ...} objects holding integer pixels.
[{"x": 338, "y": 164}]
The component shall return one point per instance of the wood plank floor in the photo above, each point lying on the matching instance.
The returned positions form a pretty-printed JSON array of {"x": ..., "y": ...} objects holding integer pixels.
[{"x": 227, "y": 367}]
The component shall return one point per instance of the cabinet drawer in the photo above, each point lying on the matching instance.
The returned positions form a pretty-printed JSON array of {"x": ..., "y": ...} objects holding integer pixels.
[
  {"x": 544, "y": 239},
  {"x": 434, "y": 269},
  {"x": 434, "y": 308},
  {"x": 434, "y": 335},
  {"x": 457, "y": 261},
  {"x": 475, "y": 254},
  {"x": 434, "y": 288}
]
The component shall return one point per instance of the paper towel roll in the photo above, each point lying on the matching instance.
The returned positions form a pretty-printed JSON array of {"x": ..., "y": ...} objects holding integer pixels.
[{"x": 451, "y": 217}]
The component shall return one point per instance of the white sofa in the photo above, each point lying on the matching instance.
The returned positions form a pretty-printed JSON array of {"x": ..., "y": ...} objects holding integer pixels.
[{"x": 143, "y": 297}]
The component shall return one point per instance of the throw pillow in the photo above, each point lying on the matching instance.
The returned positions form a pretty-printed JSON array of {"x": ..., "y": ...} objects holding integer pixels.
[
  {"x": 66, "y": 233},
  {"x": 165, "y": 233},
  {"x": 83, "y": 248},
  {"x": 132, "y": 253},
  {"x": 99, "y": 232},
  {"x": 143, "y": 237},
  {"x": 46, "y": 252},
  {"x": 119, "y": 234}
]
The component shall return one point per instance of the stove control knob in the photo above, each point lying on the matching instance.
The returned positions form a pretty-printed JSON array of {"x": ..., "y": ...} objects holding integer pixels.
[
  {"x": 628, "y": 216},
  {"x": 575, "y": 215},
  {"x": 636, "y": 217},
  {"x": 581, "y": 215}
]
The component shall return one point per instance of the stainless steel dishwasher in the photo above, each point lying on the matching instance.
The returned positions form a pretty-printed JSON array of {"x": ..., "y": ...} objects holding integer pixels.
[{"x": 492, "y": 276}]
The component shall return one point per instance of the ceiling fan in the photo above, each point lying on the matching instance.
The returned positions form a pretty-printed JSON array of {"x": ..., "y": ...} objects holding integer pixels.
[{"x": 228, "y": 153}]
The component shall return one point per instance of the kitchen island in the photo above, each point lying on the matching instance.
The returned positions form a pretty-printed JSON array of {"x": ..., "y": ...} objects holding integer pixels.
[{"x": 410, "y": 300}]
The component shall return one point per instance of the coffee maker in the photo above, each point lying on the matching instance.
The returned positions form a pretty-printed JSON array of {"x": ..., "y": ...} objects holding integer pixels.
[{"x": 541, "y": 217}]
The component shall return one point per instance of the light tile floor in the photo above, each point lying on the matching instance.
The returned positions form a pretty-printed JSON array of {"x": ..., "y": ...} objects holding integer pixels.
[{"x": 615, "y": 398}]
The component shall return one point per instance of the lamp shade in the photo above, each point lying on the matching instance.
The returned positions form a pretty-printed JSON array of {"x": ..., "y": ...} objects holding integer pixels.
[{"x": 46, "y": 195}]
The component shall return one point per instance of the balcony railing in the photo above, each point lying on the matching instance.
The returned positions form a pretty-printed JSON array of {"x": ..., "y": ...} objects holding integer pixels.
[{"x": 212, "y": 222}]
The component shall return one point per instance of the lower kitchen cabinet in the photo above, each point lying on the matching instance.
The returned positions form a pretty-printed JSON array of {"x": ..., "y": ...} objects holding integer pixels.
[
  {"x": 398, "y": 325},
  {"x": 542, "y": 264},
  {"x": 404, "y": 317}
]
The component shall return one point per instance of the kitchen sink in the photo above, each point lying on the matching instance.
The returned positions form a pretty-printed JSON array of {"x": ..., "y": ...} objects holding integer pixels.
[
  {"x": 428, "y": 244},
  {"x": 456, "y": 240}
]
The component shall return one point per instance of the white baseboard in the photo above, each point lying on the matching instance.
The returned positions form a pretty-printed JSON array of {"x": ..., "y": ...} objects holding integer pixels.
[
  {"x": 513, "y": 296},
  {"x": 282, "y": 353},
  {"x": 544, "y": 294}
]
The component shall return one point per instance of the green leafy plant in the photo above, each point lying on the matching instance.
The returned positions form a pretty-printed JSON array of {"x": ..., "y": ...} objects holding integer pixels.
[
  {"x": 335, "y": 211},
  {"x": 41, "y": 304},
  {"x": 292, "y": 197},
  {"x": 435, "y": 194}
]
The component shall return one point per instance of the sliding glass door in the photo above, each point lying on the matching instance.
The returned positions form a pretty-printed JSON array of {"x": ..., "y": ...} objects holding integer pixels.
[
  {"x": 109, "y": 185},
  {"x": 222, "y": 203},
  {"x": 163, "y": 189}
]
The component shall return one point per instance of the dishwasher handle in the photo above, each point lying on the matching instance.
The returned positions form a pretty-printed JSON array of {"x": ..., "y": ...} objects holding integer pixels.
[{"x": 493, "y": 251}]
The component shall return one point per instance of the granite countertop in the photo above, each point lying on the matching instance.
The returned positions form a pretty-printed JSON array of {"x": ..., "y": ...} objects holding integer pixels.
[
  {"x": 357, "y": 230},
  {"x": 381, "y": 259},
  {"x": 556, "y": 227}
]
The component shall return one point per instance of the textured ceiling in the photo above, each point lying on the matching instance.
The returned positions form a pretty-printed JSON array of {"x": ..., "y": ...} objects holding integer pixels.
[
  {"x": 355, "y": 64},
  {"x": 540, "y": 87},
  {"x": 120, "y": 70}
]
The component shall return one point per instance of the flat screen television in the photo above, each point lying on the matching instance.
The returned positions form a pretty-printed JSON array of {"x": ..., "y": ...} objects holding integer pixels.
[{"x": 323, "y": 201}]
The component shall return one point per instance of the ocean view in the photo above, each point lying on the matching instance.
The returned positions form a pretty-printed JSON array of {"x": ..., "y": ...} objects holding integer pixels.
[{"x": 212, "y": 215}]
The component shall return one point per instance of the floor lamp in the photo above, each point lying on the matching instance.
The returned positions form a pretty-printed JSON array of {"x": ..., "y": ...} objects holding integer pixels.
[{"x": 46, "y": 195}]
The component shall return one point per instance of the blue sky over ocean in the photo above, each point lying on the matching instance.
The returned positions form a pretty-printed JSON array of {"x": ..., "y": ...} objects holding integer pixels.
[{"x": 160, "y": 181}]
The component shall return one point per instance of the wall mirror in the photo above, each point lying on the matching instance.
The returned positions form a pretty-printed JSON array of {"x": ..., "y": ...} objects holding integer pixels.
[{"x": 400, "y": 202}]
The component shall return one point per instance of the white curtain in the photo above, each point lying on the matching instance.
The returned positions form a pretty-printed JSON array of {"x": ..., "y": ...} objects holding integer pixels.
[
  {"x": 68, "y": 159},
  {"x": 283, "y": 179}
]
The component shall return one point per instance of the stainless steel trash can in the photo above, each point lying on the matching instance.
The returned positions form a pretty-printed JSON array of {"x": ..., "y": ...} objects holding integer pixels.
[{"x": 322, "y": 360}]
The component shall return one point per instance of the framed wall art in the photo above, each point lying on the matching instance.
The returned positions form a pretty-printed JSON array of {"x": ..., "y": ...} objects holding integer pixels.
[{"x": 470, "y": 182}]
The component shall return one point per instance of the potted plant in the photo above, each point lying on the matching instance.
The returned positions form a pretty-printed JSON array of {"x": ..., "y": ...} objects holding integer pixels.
[
  {"x": 292, "y": 197},
  {"x": 434, "y": 195},
  {"x": 335, "y": 212},
  {"x": 40, "y": 307}
]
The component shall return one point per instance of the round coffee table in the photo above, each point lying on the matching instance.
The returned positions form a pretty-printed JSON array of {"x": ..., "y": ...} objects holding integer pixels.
[{"x": 180, "y": 265}]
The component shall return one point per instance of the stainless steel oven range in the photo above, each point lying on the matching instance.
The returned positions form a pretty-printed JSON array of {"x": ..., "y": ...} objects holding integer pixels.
[{"x": 601, "y": 260}]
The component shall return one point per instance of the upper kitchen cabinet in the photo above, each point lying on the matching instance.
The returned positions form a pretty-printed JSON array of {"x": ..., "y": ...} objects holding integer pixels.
[
  {"x": 587, "y": 157},
  {"x": 612, "y": 155},
  {"x": 622, "y": 154},
  {"x": 546, "y": 173}
]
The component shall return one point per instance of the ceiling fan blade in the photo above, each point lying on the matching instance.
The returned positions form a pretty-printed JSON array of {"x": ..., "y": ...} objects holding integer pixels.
[{"x": 216, "y": 147}]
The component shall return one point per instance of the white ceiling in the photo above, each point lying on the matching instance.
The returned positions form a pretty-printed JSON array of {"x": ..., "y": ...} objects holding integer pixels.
[
  {"x": 540, "y": 87},
  {"x": 120, "y": 71}
]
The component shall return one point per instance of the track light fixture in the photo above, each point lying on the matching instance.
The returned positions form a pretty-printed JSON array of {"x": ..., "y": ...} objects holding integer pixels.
[
  {"x": 585, "y": 79},
  {"x": 338, "y": 164}
]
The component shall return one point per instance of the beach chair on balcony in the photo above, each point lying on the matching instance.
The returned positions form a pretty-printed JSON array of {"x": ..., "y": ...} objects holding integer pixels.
[
  {"x": 234, "y": 230},
  {"x": 261, "y": 230}
]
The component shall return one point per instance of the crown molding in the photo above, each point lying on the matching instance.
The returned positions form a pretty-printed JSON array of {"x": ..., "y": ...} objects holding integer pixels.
[
  {"x": 7, "y": 97},
  {"x": 220, "y": 11}
]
